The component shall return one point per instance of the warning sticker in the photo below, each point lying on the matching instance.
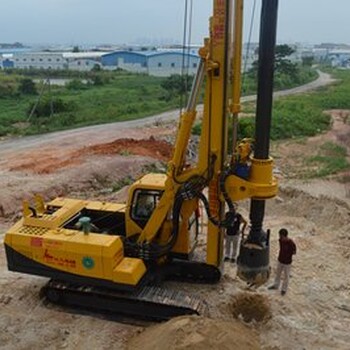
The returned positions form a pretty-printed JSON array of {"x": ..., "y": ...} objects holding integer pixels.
[{"x": 36, "y": 242}]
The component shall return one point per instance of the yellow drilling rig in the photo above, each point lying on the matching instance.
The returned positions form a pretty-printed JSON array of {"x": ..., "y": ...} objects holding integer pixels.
[{"x": 115, "y": 256}]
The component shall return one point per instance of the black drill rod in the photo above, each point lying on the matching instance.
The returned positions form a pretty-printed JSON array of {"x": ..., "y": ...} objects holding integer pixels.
[{"x": 267, "y": 43}]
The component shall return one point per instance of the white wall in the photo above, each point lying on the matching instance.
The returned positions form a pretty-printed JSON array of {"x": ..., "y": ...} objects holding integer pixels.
[
  {"x": 40, "y": 60},
  {"x": 132, "y": 67},
  {"x": 167, "y": 64},
  {"x": 82, "y": 65}
]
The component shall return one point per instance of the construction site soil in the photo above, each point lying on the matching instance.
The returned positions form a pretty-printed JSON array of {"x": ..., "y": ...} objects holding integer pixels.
[
  {"x": 44, "y": 163},
  {"x": 314, "y": 314}
]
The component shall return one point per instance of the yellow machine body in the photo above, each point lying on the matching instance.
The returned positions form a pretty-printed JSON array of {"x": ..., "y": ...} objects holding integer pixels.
[
  {"x": 52, "y": 240},
  {"x": 45, "y": 241}
]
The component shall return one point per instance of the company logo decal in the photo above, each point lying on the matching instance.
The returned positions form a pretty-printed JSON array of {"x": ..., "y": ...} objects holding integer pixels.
[
  {"x": 88, "y": 262},
  {"x": 59, "y": 261}
]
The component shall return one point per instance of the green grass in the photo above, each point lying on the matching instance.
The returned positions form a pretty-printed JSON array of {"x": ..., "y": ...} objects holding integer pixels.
[
  {"x": 123, "y": 97},
  {"x": 281, "y": 81},
  {"x": 303, "y": 115},
  {"x": 331, "y": 159},
  {"x": 109, "y": 97}
]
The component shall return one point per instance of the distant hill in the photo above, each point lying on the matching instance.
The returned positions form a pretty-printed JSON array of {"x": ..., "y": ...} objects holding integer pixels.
[{"x": 12, "y": 46}]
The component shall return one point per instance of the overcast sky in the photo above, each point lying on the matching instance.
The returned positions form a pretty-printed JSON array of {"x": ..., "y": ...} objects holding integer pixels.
[{"x": 130, "y": 21}]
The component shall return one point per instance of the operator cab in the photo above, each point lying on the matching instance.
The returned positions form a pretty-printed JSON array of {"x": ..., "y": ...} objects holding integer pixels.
[
  {"x": 144, "y": 196},
  {"x": 143, "y": 204}
]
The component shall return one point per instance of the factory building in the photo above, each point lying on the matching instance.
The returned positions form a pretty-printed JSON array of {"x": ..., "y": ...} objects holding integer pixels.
[
  {"x": 83, "y": 61},
  {"x": 168, "y": 63},
  {"x": 153, "y": 63},
  {"x": 340, "y": 58},
  {"x": 52, "y": 60},
  {"x": 39, "y": 60},
  {"x": 127, "y": 60},
  {"x": 6, "y": 61}
]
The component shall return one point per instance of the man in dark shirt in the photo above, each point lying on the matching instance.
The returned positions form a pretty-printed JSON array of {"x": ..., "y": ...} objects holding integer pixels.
[
  {"x": 232, "y": 237},
  {"x": 284, "y": 263}
]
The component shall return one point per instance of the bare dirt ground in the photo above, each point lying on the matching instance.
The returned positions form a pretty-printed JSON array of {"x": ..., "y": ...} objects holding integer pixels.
[
  {"x": 315, "y": 313},
  {"x": 291, "y": 158}
]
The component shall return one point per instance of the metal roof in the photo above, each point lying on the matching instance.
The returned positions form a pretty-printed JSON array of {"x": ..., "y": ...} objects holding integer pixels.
[
  {"x": 148, "y": 53},
  {"x": 83, "y": 54}
]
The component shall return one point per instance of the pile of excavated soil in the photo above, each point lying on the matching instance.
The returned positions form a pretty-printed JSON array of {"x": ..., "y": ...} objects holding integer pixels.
[
  {"x": 43, "y": 162},
  {"x": 196, "y": 333},
  {"x": 251, "y": 307},
  {"x": 159, "y": 149}
]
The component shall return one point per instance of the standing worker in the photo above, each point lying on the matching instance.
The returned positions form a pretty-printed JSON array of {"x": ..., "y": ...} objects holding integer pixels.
[
  {"x": 284, "y": 263},
  {"x": 232, "y": 236}
]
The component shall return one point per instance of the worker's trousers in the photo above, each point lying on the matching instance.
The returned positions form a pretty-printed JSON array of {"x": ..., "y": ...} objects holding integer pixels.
[
  {"x": 285, "y": 269},
  {"x": 231, "y": 243}
]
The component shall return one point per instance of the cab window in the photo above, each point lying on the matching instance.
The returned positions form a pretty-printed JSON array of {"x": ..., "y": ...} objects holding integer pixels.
[{"x": 144, "y": 203}]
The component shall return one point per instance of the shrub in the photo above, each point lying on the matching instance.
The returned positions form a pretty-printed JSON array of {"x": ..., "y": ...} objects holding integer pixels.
[
  {"x": 46, "y": 107},
  {"x": 197, "y": 129},
  {"x": 3, "y": 130},
  {"x": 96, "y": 68},
  {"x": 177, "y": 84},
  {"x": 246, "y": 128},
  {"x": 65, "y": 120},
  {"x": 100, "y": 79},
  {"x": 7, "y": 89},
  {"x": 27, "y": 87},
  {"x": 76, "y": 84},
  {"x": 97, "y": 80}
]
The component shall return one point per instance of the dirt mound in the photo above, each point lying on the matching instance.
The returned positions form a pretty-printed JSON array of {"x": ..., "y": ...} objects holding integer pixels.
[
  {"x": 43, "y": 161},
  {"x": 159, "y": 149},
  {"x": 251, "y": 307},
  {"x": 196, "y": 333}
]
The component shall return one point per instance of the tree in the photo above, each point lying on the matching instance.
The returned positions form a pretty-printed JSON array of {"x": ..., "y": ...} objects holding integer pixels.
[
  {"x": 97, "y": 80},
  {"x": 176, "y": 85},
  {"x": 27, "y": 87},
  {"x": 282, "y": 52},
  {"x": 76, "y": 49},
  {"x": 283, "y": 64},
  {"x": 307, "y": 61},
  {"x": 96, "y": 68}
]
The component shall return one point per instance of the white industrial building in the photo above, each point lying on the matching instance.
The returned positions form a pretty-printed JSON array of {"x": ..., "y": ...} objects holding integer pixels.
[
  {"x": 55, "y": 60},
  {"x": 83, "y": 61},
  {"x": 340, "y": 58},
  {"x": 156, "y": 63},
  {"x": 160, "y": 62},
  {"x": 39, "y": 60},
  {"x": 168, "y": 63}
]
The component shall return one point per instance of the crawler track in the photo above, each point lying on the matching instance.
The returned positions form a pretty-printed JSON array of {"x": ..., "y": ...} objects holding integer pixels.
[{"x": 151, "y": 303}]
